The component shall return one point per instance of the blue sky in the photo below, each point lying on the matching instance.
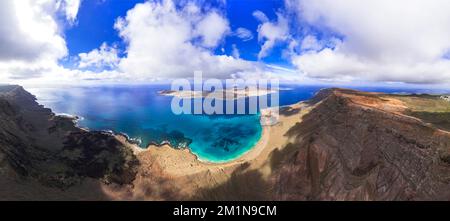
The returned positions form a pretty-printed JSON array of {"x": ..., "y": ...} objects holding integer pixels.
[
  {"x": 96, "y": 18},
  {"x": 300, "y": 41},
  {"x": 95, "y": 24}
]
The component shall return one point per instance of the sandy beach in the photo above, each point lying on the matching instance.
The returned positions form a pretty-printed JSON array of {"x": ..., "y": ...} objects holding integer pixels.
[{"x": 181, "y": 170}]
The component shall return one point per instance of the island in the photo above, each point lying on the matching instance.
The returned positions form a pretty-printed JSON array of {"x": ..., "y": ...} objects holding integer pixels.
[{"x": 227, "y": 94}]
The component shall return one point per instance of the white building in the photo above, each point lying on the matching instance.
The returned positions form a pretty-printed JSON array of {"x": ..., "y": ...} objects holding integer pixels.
[{"x": 446, "y": 97}]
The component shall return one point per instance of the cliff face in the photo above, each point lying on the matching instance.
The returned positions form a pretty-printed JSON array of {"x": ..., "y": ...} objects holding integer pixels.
[
  {"x": 38, "y": 145},
  {"x": 363, "y": 146}
]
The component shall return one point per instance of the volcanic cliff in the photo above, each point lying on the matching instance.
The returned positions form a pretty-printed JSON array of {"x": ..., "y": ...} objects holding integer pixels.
[
  {"x": 366, "y": 146},
  {"x": 37, "y": 145}
]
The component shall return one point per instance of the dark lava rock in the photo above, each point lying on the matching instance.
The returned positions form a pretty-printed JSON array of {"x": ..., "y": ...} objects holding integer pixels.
[{"x": 51, "y": 149}]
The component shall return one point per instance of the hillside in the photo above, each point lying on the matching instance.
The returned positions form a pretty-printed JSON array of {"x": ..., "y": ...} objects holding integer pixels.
[
  {"x": 39, "y": 150},
  {"x": 366, "y": 146}
]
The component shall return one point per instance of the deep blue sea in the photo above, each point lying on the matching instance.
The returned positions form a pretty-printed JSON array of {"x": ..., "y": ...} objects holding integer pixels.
[{"x": 141, "y": 113}]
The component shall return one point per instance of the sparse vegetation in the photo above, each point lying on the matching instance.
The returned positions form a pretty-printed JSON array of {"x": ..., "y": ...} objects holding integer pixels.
[{"x": 429, "y": 108}]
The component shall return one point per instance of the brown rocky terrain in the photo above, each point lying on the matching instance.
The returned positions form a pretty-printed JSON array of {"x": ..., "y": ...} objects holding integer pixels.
[
  {"x": 363, "y": 146},
  {"x": 39, "y": 148},
  {"x": 340, "y": 145}
]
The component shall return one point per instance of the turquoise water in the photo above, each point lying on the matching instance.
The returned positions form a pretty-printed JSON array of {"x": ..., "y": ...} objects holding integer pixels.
[{"x": 140, "y": 112}]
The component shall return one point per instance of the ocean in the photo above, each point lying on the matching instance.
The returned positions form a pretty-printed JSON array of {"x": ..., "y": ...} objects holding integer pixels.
[{"x": 144, "y": 115}]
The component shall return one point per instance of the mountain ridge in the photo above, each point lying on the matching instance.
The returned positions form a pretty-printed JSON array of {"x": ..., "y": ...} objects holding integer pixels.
[{"x": 352, "y": 135}]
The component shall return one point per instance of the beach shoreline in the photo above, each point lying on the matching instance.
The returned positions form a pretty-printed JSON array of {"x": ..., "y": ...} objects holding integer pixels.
[
  {"x": 257, "y": 147},
  {"x": 183, "y": 162}
]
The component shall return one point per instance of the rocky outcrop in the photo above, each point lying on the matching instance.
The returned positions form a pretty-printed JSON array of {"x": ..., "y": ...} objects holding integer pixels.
[
  {"x": 37, "y": 144},
  {"x": 361, "y": 146}
]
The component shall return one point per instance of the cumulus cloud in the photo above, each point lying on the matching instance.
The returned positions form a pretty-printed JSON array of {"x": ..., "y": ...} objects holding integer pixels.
[
  {"x": 104, "y": 57},
  {"x": 243, "y": 34},
  {"x": 269, "y": 33},
  {"x": 31, "y": 38},
  {"x": 382, "y": 40},
  {"x": 28, "y": 31},
  {"x": 165, "y": 41}
]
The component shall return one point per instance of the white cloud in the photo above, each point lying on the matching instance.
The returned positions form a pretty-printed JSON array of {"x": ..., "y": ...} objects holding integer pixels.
[
  {"x": 163, "y": 42},
  {"x": 243, "y": 34},
  {"x": 383, "y": 40},
  {"x": 212, "y": 28},
  {"x": 104, "y": 57},
  {"x": 271, "y": 32},
  {"x": 29, "y": 32},
  {"x": 330, "y": 65},
  {"x": 31, "y": 41},
  {"x": 310, "y": 42},
  {"x": 284, "y": 75},
  {"x": 70, "y": 8},
  {"x": 260, "y": 16}
]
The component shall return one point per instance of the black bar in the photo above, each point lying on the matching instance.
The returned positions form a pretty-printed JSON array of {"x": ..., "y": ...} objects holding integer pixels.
[{"x": 284, "y": 210}]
